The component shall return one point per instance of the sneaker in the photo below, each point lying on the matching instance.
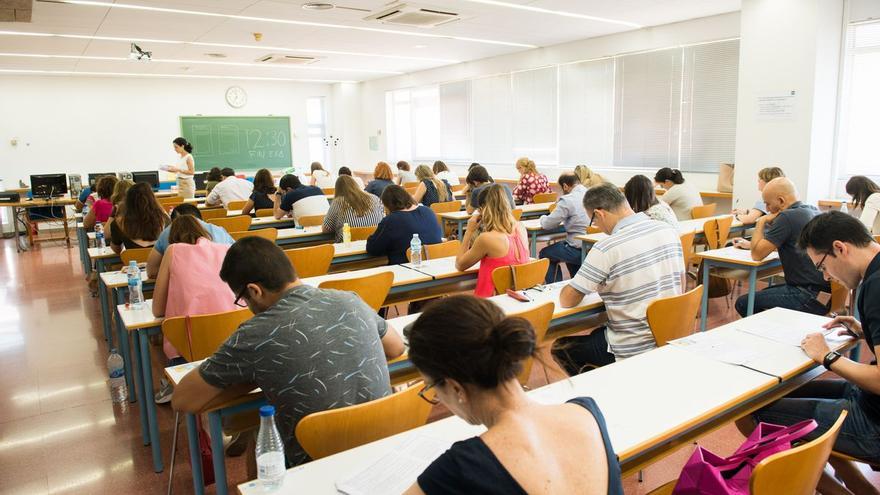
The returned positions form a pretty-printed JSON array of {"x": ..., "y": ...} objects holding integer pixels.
[{"x": 163, "y": 396}]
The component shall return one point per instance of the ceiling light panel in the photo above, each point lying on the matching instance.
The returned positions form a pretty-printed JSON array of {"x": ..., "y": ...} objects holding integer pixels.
[{"x": 573, "y": 13}]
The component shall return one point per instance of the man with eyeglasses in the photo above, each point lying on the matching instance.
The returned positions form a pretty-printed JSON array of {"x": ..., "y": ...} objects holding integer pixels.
[
  {"x": 308, "y": 349},
  {"x": 840, "y": 247},
  {"x": 804, "y": 289}
]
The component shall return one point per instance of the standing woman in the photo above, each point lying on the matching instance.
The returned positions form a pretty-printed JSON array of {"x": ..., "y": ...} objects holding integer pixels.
[
  {"x": 264, "y": 189},
  {"x": 431, "y": 188},
  {"x": 680, "y": 196},
  {"x": 530, "y": 181},
  {"x": 587, "y": 177},
  {"x": 639, "y": 192},
  {"x": 185, "y": 168},
  {"x": 351, "y": 206},
  {"x": 865, "y": 201}
]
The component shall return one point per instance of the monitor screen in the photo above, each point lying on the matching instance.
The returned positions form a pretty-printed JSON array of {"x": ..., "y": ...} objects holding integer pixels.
[
  {"x": 150, "y": 177},
  {"x": 93, "y": 178},
  {"x": 48, "y": 185},
  {"x": 200, "y": 179}
]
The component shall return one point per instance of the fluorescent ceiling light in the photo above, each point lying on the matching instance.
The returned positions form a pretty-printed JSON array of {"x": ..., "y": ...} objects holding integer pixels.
[
  {"x": 563, "y": 13},
  {"x": 203, "y": 62},
  {"x": 179, "y": 76},
  {"x": 262, "y": 48},
  {"x": 286, "y": 21}
]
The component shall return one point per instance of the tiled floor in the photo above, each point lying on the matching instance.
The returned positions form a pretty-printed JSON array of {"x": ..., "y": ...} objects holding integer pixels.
[{"x": 59, "y": 432}]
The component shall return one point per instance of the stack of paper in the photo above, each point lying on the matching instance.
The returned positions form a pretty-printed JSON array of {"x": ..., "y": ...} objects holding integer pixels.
[{"x": 396, "y": 471}]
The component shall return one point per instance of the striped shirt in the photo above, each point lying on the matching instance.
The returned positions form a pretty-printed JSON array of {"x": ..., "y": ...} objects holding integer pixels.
[
  {"x": 340, "y": 213},
  {"x": 639, "y": 262}
]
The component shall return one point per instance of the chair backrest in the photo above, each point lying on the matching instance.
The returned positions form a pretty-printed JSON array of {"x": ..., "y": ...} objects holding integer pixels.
[
  {"x": 687, "y": 248},
  {"x": 839, "y": 293},
  {"x": 552, "y": 207},
  {"x": 209, "y": 213},
  {"x": 164, "y": 200},
  {"x": 361, "y": 233},
  {"x": 236, "y": 205},
  {"x": 411, "y": 190},
  {"x": 373, "y": 289},
  {"x": 519, "y": 277},
  {"x": 139, "y": 255},
  {"x": 311, "y": 261},
  {"x": 795, "y": 471},
  {"x": 311, "y": 220},
  {"x": 446, "y": 207},
  {"x": 208, "y": 332},
  {"x": 540, "y": 318},
  {"x": 327, "y": 432},
  {"x": 716, "y": 231},
  {"x": 269, "y": 233},
  {"x": 877, "y": 238},
  {"x": 233, "y": 224},
  {"x": 545, "y": 198},
  {"x": 703, "y": 211},
  {"x": 517, "y": 214},
  {"x": 265, "y": 212},
  {"x": 407, "y": 185},
  {"x": 673, "y": 317},
  {"x": 442, "y": 250},
  {"x": 458, "y": 187},
  {"x": 328, "y": 191}
]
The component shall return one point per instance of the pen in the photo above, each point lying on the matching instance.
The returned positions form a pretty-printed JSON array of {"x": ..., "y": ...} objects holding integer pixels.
[{"x": 845, "y": 327}]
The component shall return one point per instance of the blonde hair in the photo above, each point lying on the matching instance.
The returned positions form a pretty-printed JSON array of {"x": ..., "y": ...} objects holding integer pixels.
[
  {"x": 526, "y": 166},
  {"x": 495, "y": 212},
  {"x": 767, "y": 174},
  {"x": 350, "y": 194},
  {"x": 587, "y": 177},
  {"x": 424, "y": 172},
  {"x": 119, "y": 191}
]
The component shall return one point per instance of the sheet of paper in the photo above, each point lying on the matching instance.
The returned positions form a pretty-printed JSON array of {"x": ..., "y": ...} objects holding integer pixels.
[
  {"x": 396, "y": 471},
  {"x": 785, "y": 334},
  {"x": 708, "y": 345}
]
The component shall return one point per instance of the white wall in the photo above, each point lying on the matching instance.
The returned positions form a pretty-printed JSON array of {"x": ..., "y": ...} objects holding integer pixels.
[{"x": 93, "y": 124}]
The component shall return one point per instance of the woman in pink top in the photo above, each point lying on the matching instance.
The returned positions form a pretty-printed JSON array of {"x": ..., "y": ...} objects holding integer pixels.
[
  {"x": 101, "y": 208},
  {"x": 501, "y": 242}
]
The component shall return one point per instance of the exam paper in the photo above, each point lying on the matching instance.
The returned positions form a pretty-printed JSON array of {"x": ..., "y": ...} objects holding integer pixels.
[
  {"x": 785, "y": 334},
  {"x": 711, "y": 346},
  {"x": 396, "y": 471}
]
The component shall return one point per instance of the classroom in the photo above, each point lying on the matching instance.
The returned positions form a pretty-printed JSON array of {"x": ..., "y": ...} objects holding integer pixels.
[{"x": 384, "y": 247}]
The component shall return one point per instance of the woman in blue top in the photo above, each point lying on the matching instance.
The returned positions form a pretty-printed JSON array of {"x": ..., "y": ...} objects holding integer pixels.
[
  {"x": 431, "y": 189},
  {"x": 470, "y": 353},
  {"x": 405, "y": 218}
]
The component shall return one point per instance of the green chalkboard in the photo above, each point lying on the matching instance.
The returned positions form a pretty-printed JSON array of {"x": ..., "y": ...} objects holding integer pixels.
[{"x": 243, "y": 143}]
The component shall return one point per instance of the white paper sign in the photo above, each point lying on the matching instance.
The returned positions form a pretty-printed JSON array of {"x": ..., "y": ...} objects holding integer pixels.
[{"x": 779, "y": 105}]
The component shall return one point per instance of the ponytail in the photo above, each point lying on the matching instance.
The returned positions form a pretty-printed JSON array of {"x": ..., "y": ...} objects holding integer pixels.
[
  {"x": 183, "y": 143},
  {"x": 668, "y": 174}
]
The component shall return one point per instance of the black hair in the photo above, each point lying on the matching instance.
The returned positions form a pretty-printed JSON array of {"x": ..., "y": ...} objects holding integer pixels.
[
  {"x": 254, "y": 260},
  {"x": 289, "y": 181},
  {"x": 214, "y": 175},
  {"x": 478, "y": 174},
  {"x": 860, "y": 188},
  {"x": 472, "y": 165},
  {"x": 183, "y": 143},
  {"x": 666, "y": 173},
  {"x": 470, "y": 340},
  {"x": 186, "y": 209},
  {"x": 639, "y": 192},
  {"x": 569, "y": 180},
  {"x": 402, "y": 165},
  {"x": 227, "y": 172},
  {"x": 605, "y": 197},
  {"x": 821, "y": 232},
  {"x": 343, "y": 171},
  {"x": 395, "y": 198}
]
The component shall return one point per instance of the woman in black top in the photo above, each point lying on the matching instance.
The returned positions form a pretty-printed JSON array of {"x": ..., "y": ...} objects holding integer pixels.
[
  {"x": 470, "y": 353},
  {"x": 261, "y": 197},
  {"x": 139, "y": 221}
]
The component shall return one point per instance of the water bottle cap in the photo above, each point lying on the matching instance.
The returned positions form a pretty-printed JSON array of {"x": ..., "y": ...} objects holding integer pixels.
[
  {"x": 113, "y": 350},
  {"x": 132, "y": 263},
  {"x": 266, "y": 411}
]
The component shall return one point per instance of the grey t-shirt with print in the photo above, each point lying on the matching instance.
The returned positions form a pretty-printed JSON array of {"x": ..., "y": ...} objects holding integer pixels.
[{"x": 314, "y": 350}]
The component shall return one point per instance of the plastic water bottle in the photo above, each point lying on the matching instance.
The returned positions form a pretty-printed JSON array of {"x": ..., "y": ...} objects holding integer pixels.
[
  {"x": 86, "y": 208},
  {"x": 415, "y": 247},
  {"x": 135, "y": 289},
  {"x": 270, "y": 451},
  {"x": 116, "y": 368},
  {"x": 346, "y": 234},
  {"x": 132, "y": 268},
  {"x": 99, "y": 236}
]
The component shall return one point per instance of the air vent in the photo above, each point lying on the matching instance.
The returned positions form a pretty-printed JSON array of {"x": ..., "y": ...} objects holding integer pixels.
[
  {"x": 409, "y": 15},
  {"x": 286, "y": 59}
]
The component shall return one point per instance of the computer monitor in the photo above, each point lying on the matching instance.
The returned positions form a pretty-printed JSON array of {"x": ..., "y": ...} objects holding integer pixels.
[
  {"x": 200, "y": 179},
  {"x": 48, "y": 185},
  {"x": 93, "y": 178},
  {"x": 150, "y": 177}
]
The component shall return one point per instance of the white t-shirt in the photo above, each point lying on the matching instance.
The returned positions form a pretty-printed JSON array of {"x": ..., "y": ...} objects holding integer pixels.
[
  {"x": 449, "y": 177},
  {"x": 870, "y": 215},
  {"x": 324, "y": 179},
  {"x": 682, "y": 198},
  {"x": 406, "y": 176},
  {"x": 310, "y": 205},
  {"x": 230, "y": 189}
]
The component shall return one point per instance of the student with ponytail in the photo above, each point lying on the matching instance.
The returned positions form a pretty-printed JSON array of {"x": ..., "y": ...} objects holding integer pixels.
[
  {"x": 679, "y": 196},
  {"x": 185, "y": 168},
  {"x": 469, "y": 353}
]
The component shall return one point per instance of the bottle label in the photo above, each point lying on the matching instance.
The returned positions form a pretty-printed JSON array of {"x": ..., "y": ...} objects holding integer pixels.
[
  {"x": 270, "y": 465},
  {"x": 117, "y": 373}
]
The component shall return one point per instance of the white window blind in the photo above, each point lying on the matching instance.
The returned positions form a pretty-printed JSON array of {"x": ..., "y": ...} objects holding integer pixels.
[
  {"x": 425, "y": 106},
  {"x": 455, "y": 121},
  {"x": 492, "y": 120},
  {"x": 534, "y": 114},
  {"x": 586, "y": 113},
  {"x": 857, "y": 143},
  {"x": 399, "y": 131}
]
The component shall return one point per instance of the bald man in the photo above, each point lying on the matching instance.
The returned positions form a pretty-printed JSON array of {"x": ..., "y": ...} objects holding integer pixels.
[{"x": 805, "y": 289}]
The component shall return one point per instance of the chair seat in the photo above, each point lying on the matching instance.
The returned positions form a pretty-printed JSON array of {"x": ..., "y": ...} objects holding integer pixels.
[{"x": 738, "y": 274}]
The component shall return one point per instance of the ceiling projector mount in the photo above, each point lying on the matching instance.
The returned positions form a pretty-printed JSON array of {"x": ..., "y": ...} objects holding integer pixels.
[{"x": 137, "y": 53}]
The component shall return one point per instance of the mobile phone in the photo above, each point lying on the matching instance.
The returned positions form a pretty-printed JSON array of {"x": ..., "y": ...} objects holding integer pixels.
[{"x": 519, "y": 296}]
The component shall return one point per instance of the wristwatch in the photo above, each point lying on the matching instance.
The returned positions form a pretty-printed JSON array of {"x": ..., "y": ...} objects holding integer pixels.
[{"x": 829, "y": 359}]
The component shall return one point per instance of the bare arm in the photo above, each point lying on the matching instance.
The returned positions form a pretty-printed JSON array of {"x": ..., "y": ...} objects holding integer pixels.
[
  {"x": 193, "y": 394},
  {"x": 213, "y": 198},
  {"x": 247, "y": 207},
  {"x": 276, "y": 207},
  {"x": 420, "y": 193},
  {"x": 190, "y": 165},
  {"x": 415, "y": 489},
  {"x": 392, "y": 343},
  {"x": 154, "y": 261},
  {"x": 469, "y": 254},
  {"x": 570, "y": 297},
  {"x": 89, "y": 219},
  {"x": 160, "y": 290},
  {"x": 761, "y": 247}
]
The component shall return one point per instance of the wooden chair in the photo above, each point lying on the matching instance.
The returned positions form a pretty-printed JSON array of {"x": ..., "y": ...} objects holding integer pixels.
[
  {"x": 373, "y": 289},
  {"x": 517, "y": 214},
  {"x": 209, "y": 213},
  {"x": 233, "y": 224},
  {"x": 413, "y": 185},
  {"x": 519, "y": 277},
  {"x": 411, "y": 190},
  {"x": 442, "y": 250},
  {"x": 545, "y": 198},
  {"x": 265, "y": 212},
  {"x": 703, "y": 211},
  {"x": 673, "y": 317},
  {"x": 458, "y": 187},
  {"x": 445, "y": 207},
  {"x": 552, "y": 207},
  {"x": 236, "y": 205},
  {"x": 362, "y": 233},
  {"x": 687, "y": 249},
  {"x": 311, "y": 220},
  {"x": 311, "y": 261},
  {"x": 270, "y": 234},
  {"x": 166, "y": 200},
  {"x": 208, "y": 332},
  {"x": 877, "y": 238},
  {"x": 717, "y": 231},
  {"x": 139, "y": 255},
  {"x": 325, "y": 433},
  {"x": 328, "y": 191},
  {"x": 839, "y": 293},
  {"x": 540, "y": 318}
]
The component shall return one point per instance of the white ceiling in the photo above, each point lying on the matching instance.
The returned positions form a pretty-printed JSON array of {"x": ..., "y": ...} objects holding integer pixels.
[{"x": 482, "y": 21}]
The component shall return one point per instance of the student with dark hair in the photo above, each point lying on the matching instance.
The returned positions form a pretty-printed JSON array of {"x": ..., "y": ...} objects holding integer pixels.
[
  {"x": 382, "y": 178},
  {"x": 102, "y": 207},
  {"x": 639, "y": 192},
  {"x": 217, "y": 233},
  {"x": 264, "y": 190},
  {"x": 478, "y": 178},
  {"x": 405, "y": 218},
  {"x": 139, "y": 222},
  {"x": 185, "y": 168},
  {"x": 840, "y": 247},
  {"x": 230, "y": 189},
  {"x": 298, "y": 322},
  {"x": 212, "y": 179},
  {"x": 570, "y": 214},
  {"x": 679, "y": 196},
  {"x": 404, "y": 174},
  {"x": 469, "y": 353},
  {"x": 347, "y": 171},
  {"x": 294, "y": 199},
  {"x": 865, "y": 201},
  {"x": 441, "y": 170}
]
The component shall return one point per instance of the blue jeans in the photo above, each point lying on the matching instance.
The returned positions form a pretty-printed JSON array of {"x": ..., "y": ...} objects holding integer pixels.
[
  {"x": 560, "y": 252},
  {"x": 579, "y": 353},
  {"x": 782, "y": 296},
  {"x": 823, "y": 400}
]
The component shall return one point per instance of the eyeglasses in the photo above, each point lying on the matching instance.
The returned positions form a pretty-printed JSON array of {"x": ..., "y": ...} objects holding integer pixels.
[
  {"x": 431, "y": 400},
  {"x": 240, "y": 296},
  {"x": 821, "y": 265},
  {"x": 592, "y": 218}
]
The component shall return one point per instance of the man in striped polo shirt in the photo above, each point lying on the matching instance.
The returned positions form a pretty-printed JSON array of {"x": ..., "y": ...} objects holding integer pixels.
[{"x": 640, "y": 261}]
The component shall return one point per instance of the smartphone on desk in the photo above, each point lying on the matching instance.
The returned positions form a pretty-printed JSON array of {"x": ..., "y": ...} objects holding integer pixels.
[{"x": 519, "y": 296}]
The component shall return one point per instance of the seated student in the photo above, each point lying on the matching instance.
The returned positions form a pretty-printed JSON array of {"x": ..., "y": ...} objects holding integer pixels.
[
  {"x": 102, "y": 207},
  {"x": 320, "y": 177},
  {"x": 230, "y": 189},
  {"x": 587, "y": 177},
  {"x": 840, "y": 247},
  {"x": 212, "y": 178},
  {"x": 296, "y": 200},
  {"x": 478, "y": 178},
  {"x": 352, "y": 206},
  {"x": 680, "y": 196},
  {"x": 299, "y": 322},
  {"x": 357, "y": 180},
  {"x": 85, "y": 198},
  {"x": 502, "y": 241},
  {"x": 441, "y": 170},
  {"x": 218, "y": 234},
  {"x": 531, "y": 182},
  {"x": 469, "y": 353},
  {"x": 865, "y": 201},
  {"x": 431, "y": 188},
  {"x": 639, "y": 192},
  {"x": 141, "y": 221},
  {"x": 779, "y": 231},
  {"x": 638, "y": 262},
  {"x": 189, "y": 283},
  {"x": 382, "y": 178},
  {"x": 118, "y": 199},
  {"x": 405, "y": 218},
  {"x": 404, "y": 175},
  {"x": 748, "y": 216},
  {"x": 264, "y": 190},
  {"x": 571, "y": 215}
]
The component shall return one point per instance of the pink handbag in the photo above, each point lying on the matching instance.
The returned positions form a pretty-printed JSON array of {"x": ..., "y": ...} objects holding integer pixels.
[{"x": 708, "y": 474}]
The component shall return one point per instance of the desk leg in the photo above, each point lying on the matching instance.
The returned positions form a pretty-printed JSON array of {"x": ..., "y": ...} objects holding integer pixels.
[
  {"x": 147, "y": 400},
  {"x": 195, "y": 457},
  {"x": 533, "y": 243},
  {"x": 704, "y": 305},
  {"x": 753, "y": 280},
  {"x": 460, "y": 230},
  {"x": 123, "y": 344},
  {"x": 66, "y": 226},
  {"x": 105, "y": 305},
  {"x": 217, "y": 452},
  {"x": 139, "y": 382},
  {"x": 83, "y": 239}
]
